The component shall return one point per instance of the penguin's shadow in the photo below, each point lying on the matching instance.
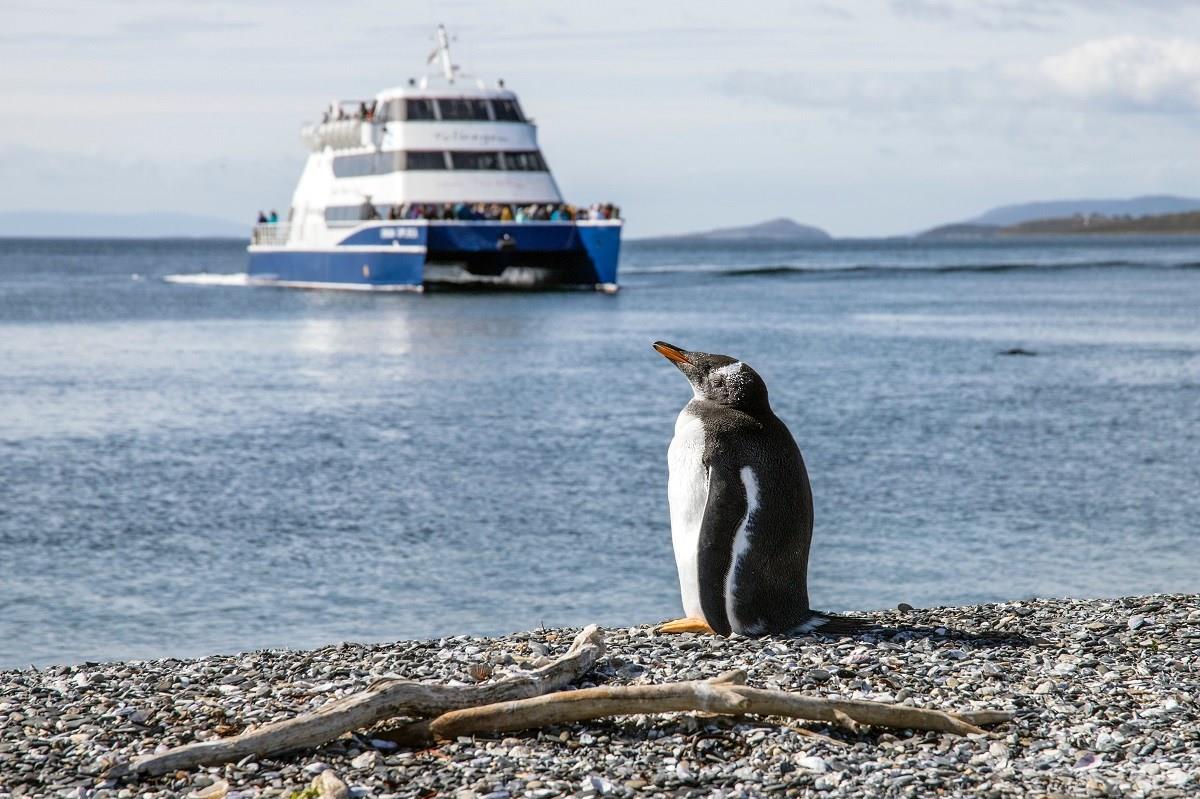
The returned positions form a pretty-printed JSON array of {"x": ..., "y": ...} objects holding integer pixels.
[{"x": 915, "y": 632}]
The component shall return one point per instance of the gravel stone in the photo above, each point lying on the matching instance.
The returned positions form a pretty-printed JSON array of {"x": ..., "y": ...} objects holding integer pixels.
[{"x": 1105, "y": 694}]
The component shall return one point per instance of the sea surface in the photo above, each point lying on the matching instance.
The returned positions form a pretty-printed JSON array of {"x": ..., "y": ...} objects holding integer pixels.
[{"x": 202, "y": 467}]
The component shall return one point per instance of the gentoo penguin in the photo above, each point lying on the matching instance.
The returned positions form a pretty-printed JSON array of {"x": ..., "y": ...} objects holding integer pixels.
[{"x": 741, "y": 508}]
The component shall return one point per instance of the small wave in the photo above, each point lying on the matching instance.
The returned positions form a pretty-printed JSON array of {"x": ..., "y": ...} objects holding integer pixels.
[
  {"x": 903, "y": 269},
  {"x": 1034, "y": 266},
  {"x": 778, "y": 270},
  {"x": 210, "y": 279}
]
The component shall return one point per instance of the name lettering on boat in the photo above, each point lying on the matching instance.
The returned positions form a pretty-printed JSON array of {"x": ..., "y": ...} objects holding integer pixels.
[
  {"x": 399, "y": 233},
  {"x": 453, "y": 136}
]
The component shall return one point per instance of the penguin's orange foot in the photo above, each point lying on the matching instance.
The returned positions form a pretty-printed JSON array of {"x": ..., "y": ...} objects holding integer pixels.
[{"x": 689, "y": 625}]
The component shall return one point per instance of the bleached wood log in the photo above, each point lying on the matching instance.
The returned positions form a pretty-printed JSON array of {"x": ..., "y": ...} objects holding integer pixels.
[
  {"x": 383, "y": 699},
  {"x": 721, "y": 695}
]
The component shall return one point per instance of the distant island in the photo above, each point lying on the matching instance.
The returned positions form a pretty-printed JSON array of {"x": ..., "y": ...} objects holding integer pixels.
[
  {"x": 1187, "y": 223},
  {"x": 1155, "y": 214},
  {"x": 77, "y": 224},
  {"x": 780, "y": 230},
  {"x": 1147, "y": 205},
  {"x": 1149, "y": 215},
  {"x": 1080, "y": 224}
]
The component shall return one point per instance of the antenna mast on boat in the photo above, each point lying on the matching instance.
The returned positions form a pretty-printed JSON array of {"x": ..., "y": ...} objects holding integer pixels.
[{"x": 442, "y": 53}]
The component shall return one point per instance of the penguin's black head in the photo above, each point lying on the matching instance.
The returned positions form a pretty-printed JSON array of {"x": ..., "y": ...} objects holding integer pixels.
[{"x": 718, "y": 378}]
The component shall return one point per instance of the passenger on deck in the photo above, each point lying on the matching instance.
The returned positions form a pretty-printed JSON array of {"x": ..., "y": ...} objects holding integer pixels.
[
  {"x": 274, "y": 217},
  {"x": 262, "y": 218},
  {"x": 522, "y": 215},
  {"x": 506, "y": 214}
]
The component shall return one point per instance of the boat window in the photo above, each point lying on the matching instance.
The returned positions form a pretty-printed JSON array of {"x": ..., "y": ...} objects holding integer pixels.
[
  {"x": 353, "y": 213},
  {"x": 356, "y": 166},
  {"x": 364, "y": 164},
  {"x": 507, "y": 111},
  {"x": 460, "y": 108},
  {"x": 468, "y": 159},
  {"x": 353, "y": 166},
  {"x": 418, "y": 108},
  {"x": 524, "y": 162},
  {"x": 425, "y": 159}
]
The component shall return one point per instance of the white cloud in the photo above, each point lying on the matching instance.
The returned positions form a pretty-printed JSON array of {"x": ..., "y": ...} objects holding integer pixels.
[
  {"x": 1036, "y": 15},
  {"x": 877, "y": 93},
  {"x": 1129, "y": 72},
  {"x": 1011, "y": 15},
  {"x": 1125, "y": 74}
]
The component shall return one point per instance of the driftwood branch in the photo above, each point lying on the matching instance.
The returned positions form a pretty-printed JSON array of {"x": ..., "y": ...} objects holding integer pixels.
[
  {"x": 383, "y": 699},
  {"x": 722, "y": 695},
  {"x": 445, "y": 712},
  {"x": 418, "y": 734}
]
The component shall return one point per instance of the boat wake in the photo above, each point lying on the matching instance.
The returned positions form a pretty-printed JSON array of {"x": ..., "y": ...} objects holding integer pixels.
[{"x": 210, "y": 279}]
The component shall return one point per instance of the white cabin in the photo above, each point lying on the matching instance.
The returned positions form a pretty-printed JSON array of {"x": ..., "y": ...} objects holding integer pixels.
[{"x": 445, "y": 138}]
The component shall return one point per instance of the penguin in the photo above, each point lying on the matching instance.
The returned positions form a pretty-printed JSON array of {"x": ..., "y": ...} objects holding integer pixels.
[{"x": 741, "y": 508}]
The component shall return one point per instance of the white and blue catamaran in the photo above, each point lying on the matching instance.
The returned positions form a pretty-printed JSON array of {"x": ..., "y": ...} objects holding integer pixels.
[{"x": 440, "y": 180}]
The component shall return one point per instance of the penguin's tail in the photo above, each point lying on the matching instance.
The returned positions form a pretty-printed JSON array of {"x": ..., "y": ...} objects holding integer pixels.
[{"x": 832, "y": 624}]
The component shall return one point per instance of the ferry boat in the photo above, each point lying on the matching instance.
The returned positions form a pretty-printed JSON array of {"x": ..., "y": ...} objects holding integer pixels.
[{"x": 437, "y": 181}]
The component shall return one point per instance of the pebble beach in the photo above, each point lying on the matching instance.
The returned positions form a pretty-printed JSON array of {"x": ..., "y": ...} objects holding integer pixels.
[{"x": 1105, "y": 695}]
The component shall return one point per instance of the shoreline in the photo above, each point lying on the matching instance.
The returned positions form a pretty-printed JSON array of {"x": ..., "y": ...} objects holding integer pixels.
[{"x": 1104, "y": 691}]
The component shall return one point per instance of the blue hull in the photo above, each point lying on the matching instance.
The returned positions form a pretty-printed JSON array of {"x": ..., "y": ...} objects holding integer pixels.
[{"x": 408, "y": 255}]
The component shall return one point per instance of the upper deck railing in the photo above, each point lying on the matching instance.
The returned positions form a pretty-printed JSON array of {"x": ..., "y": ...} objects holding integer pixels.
[{"x": 270, "y": 233}]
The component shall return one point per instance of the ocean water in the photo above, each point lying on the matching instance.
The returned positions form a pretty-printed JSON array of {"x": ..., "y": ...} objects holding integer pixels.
[{"x": 205, "y": 467}]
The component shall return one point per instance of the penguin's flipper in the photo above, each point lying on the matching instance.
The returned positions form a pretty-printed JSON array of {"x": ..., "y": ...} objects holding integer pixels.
[
  {"x": 724, "y": 513},
  {"x": 689, "y": 625}
]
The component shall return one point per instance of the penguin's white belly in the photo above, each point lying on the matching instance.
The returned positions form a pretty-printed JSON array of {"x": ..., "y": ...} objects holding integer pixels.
[{"x": 687, "y": 494}]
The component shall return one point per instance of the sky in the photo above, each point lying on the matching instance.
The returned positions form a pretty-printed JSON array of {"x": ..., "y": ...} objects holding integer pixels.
[{"x": 868, "y": 117}]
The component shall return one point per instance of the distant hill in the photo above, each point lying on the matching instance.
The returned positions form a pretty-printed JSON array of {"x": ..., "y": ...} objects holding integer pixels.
[
  {"x": 1186, "y": 223},
  {"x": 775, "y": 230},
  {"x": 961, "y": 230},
  {"x": 1059, "y": 209},
  {"x": 1080, "y": 224},
  {"x": 1058, "y": 215},
  {"x": 76, "y": 224}
]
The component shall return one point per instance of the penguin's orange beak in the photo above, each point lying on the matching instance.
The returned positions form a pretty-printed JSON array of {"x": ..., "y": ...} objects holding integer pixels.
[{"x": 671, "y": 353}]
